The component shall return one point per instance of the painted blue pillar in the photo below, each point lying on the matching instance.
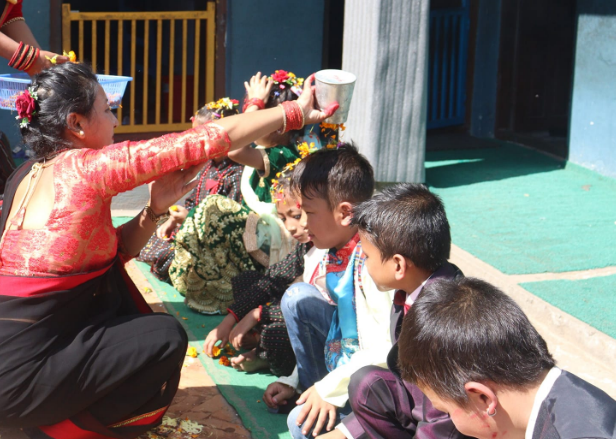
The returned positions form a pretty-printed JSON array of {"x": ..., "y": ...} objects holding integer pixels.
[
  {"x": 272, "y": 35},
  {"x": 37, "y": 15},
  {"x": 592, "y": 134},
  {"x": 485, "y": 78}
]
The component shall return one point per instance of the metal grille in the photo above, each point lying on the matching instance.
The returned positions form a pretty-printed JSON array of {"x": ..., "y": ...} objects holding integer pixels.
[
  {"x": 162, "y": 51},
  {"x": 447, "y": 69}
]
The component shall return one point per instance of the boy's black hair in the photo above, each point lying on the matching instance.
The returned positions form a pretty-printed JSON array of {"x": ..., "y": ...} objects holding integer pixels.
[
  {"x": 409, "y": 220},
  {"x": 466, "y": 330},
  {"x": 336, "y": 175}
]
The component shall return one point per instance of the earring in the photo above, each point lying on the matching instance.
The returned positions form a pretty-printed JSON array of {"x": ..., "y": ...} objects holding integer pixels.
[
  {"x": 81, "y": 133},
  {"x": 491, "y": 414}
]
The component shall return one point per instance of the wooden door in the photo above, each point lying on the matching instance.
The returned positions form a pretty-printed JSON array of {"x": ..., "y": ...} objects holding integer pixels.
[{"x": 536, "y": 66}]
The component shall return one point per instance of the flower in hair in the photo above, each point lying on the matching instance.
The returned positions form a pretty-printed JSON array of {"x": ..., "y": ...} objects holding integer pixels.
[
  {"x": 284, "y": 79},
  {"x": 223, "y": 104},
  {"x": 305, "y": 149},
  {"x": 25, "y": 104}
]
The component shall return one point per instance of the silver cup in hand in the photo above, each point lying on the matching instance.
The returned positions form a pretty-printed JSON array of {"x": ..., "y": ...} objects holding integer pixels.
[{"x": 335, "y": 86}]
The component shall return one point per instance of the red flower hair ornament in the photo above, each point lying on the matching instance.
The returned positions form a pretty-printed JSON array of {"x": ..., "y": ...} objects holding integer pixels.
[{"x": 25, "y": 104}]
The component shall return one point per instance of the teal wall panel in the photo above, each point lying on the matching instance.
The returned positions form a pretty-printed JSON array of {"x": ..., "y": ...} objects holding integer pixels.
[
  {"x": 592, "y": 134},
  {"x": 266, "y": 36}
]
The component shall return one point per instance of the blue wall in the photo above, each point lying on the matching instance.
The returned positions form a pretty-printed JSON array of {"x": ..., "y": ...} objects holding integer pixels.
[
  {"x": 37, "y": 15},
  {"x": 272, "y": 35},
  {"x": 592, "y": 134}
]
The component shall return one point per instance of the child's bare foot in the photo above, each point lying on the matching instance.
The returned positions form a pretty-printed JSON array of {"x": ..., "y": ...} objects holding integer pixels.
[{"x": 249, "y": 362}]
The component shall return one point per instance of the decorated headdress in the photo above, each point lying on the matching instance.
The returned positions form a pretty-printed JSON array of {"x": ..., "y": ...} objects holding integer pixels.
[
  {"x": 26, "y": 106},
  {"x": 331, "y": 133},
  {"x": 288, "y": 79},
  {"x": 219, "y": 109},
  {"x": 219, "y": 106},
  {"x": 277, "y": 188}
]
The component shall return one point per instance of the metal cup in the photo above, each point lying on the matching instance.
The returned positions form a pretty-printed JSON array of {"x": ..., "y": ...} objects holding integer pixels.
[{"x": 335, "y": 86}]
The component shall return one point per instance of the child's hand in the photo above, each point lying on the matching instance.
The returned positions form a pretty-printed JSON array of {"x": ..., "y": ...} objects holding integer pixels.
[
  {"x": 236, "y": 337},
  {"x": 177, "y": 216},
  {"x": 166, "y": 229},
  {"x": 315, "y": 409},
  {"x": 220, "y": 332},
  {"x": 259, "y": 87},
  {"x": 277, "y": 394},
  {"x": 179, "y": 213}
]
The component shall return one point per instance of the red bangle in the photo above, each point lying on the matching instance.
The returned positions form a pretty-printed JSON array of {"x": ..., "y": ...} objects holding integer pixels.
[
  {"x": 294, "y": 116},
  {"x": 16, "y": 54},
  {"x": 20, "y": 57},
  {"x": 29, "y": 59},
  {"x": 37, "y": 53},
  {"x": 28, "y": 51},
  {"x": 253, "y": 101}
]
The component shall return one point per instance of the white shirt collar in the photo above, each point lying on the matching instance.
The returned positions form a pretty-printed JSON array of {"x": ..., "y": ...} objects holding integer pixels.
[
  {"x": 412, "y": 297},
  {"x": 542, "y": 393}
]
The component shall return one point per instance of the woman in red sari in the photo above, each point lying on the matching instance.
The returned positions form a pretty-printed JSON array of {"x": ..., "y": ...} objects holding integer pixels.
[{"x": 81, "y": 354}]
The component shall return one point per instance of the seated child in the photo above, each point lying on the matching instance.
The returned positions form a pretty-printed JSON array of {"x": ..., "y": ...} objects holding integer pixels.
[
  {"x": 221, "y": 238},
  {"x": 474, "y": 353},
  {"x": 257, "y": 296},
  {"x": 406, "y": 240},
  {"x": 339, "y": 321},
  {"x": 219, "y": 176}
]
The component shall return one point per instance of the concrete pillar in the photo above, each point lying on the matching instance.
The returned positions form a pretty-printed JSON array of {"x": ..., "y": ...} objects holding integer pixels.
[{"x": 386, "y": 46}]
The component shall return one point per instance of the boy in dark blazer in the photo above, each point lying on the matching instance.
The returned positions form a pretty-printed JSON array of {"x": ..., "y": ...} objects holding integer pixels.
[
  {"x": 474, "y": 353},
  {"x": 406, "y": 241}
]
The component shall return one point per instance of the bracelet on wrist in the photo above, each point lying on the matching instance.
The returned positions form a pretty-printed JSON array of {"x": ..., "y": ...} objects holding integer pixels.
[
  {"x": 257, "y": 102},
  {"x": 284, "y": 121},
  {"x": 24, "y": 57},
  {"x": 293, "y": 117},
  {"x": 153, "y": 216}
]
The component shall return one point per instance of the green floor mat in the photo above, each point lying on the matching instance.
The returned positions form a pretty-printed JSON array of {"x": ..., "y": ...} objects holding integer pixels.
[
  {"x": 524, "y": 212},
  {"x": 593, "y": 301},
  {"x": 242, "y": 390}
]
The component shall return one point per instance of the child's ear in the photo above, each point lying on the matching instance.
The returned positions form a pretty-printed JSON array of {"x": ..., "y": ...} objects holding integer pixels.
[
  {"x": 482, "y": 397},
  {"x": 401, "y": 265},
  {"x": 346, "y": 211}
]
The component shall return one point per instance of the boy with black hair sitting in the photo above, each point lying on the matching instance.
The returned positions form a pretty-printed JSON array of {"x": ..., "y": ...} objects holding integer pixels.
[
  {"x": 406, "y": 241},
  {"x": 475, "y": 354},
  {"x": 338, "y": 322}
]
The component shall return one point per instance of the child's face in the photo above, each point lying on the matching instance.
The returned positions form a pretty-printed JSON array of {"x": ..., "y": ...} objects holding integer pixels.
[
  {"x": 382, "y": 272},
  {"x": 326, "y": 228},
  {"x": 293, "y": 218},
  {"x": 470, "y": 421}
]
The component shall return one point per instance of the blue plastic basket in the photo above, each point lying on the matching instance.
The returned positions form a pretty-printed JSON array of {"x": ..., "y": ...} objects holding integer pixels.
[{"x": 12, "y": 84}]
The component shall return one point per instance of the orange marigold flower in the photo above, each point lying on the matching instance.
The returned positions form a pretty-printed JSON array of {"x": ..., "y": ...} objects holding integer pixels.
[
  {"x": 224, "y": 361},
  {"x": 215, "y": 351}
]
